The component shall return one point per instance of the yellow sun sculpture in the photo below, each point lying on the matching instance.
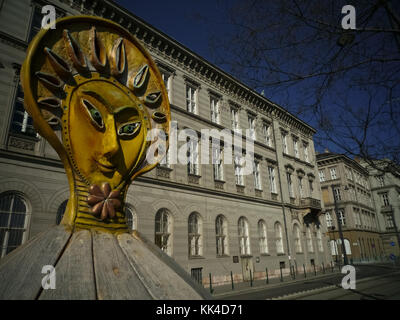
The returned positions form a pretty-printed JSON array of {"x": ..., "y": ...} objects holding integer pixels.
[{"x": 94, "y": 93}]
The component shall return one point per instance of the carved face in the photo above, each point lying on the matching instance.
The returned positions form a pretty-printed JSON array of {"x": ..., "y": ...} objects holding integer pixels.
[{"x": 107, "y": 131}]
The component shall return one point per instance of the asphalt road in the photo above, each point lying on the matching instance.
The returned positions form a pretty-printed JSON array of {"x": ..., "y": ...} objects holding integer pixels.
[{"x": 362, "y": 272}]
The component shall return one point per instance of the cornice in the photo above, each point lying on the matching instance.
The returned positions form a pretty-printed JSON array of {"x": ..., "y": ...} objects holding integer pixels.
[{"x": 13, "y": 41}]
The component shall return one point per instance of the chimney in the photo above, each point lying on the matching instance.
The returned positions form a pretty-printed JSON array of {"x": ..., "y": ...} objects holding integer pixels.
[{"x": 327, "y": 150}]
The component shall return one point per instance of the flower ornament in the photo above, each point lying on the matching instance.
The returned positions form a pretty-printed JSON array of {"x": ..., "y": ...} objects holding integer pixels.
[{"x": 103, "y": 201}]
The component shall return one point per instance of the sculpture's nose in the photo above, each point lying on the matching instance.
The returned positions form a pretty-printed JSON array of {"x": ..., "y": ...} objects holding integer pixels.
[{"x": 110, "y": 142}]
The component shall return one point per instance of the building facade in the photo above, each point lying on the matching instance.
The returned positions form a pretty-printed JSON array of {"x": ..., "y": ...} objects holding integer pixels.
[
  {"x": 385, "y": 188},
  {"x": 211, "y": 218},
  {"x": 346, "y": 181}
]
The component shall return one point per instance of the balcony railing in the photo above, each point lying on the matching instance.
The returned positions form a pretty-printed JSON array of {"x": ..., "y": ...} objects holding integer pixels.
[
  {"x": 387, "y": 208},
  {"x": 310, "y": 203}
]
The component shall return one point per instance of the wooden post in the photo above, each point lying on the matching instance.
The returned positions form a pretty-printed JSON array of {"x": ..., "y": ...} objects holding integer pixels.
[
  {"x": 305, "y": 273},
  {"x": 315, "y": 270},
  {"x": 233, "y": 287},
  {"x": 251, "y": 279},
  {"x": 280, "y": 267},
  {"x": 323, "y": 268},
  {"x": 266, "y": 275}
]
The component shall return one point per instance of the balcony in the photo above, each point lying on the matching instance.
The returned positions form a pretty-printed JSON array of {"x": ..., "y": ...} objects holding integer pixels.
[
  {"x": 310, "y": 203},
  {"x": 387, "y": 208}
]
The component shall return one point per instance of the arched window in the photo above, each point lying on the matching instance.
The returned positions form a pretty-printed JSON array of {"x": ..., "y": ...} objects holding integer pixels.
[
  {"x": 13, "y": 222},
  {"x": 310, "y": 246},
  {"x": 131, "y": 218},
  {"x": 319, "y": 241},
  {"x": 244, "y": 240},
  {"x": 347, "y": 246},
  {"x": 195, "y": 238},
  {"x": 297, "y": 239},
  {"x": 221, "y": 231},
  {"x": 61, "y": 211},
  {"x": 262, "y": 237},
  {"x": 163, "y": 224},
  {"x": 334, "y": 248},
  {"x": 278, "y": 238}
]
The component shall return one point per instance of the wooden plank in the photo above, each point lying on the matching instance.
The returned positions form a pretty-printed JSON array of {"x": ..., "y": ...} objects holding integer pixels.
[
  {"x": 74, "y": 271},
  {"x": 161, "y": 280},
  {"x": 115, "y": 278},
  {"x": 171, "y": 263},
  {"x": 21, "y": 275}
]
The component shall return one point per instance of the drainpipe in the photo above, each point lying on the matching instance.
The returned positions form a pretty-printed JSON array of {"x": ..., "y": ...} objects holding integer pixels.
[{"x": 282, "y": 201}]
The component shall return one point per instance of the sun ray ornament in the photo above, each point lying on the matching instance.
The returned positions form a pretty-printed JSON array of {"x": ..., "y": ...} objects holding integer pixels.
[{"x": 94, "y": 93}]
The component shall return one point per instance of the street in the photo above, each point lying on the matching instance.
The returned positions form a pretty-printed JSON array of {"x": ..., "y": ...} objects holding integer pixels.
[{"x": 373, "y": 282}]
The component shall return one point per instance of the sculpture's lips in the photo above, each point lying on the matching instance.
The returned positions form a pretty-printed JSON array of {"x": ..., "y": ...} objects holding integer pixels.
[{"x": 105, "y": 167}]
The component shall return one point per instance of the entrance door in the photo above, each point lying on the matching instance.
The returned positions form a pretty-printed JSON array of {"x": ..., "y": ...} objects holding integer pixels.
[{"x": 247, "y": 266}]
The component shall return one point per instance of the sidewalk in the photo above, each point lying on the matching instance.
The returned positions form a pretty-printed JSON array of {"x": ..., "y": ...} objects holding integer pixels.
[
  {"x": 243, "y": 287},
  {"x": 258, "y": 285}
]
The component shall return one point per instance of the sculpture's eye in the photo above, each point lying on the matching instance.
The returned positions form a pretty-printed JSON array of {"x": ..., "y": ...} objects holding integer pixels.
[
  {"x": 129, "y": 129},
  {"x": 94, "y": 114}
]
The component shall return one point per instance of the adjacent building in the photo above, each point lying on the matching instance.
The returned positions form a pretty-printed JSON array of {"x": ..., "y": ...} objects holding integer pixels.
[
  {"x": 345, "y": 181},
  {"x": 385, "y": 188},
  {"x": 212, "y": 218}
]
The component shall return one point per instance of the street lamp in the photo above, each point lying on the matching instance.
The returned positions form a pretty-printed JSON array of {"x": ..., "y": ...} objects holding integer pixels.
[{"x": 345, "y": 261}]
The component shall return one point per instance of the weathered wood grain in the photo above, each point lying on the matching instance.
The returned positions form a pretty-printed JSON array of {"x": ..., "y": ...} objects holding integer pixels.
[
  {"x": 115, "y": 278},
  {"x": 74, "y": 271},
  {"x": 21, "y": 275},
  {"x": 160, "y": 279},
  {"x": 171, "y": 263}
]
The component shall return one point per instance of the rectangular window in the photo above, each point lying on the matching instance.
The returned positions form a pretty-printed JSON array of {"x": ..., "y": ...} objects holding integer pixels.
[
  {"x": 333, "y": 173},
  {"x": 257, "y": 176},
  {"x": 239, "y": 170},
  {"x": 311, "y": 188},
  {"x": 381, "y": 180},
  {"x": 342, "y": 217},
  {"x": 191, "y": 97},
  {"x": 193, "y": 161},
  {"x": 284, "y": 143},
  {"x": 22, "y": 122},
  {"x": 357, "y": 217},
  {"x": 348, "y": 173},
  {"x": 306, "y": 157},
  {"x": 271, "y": 172},
  {"x": 165, "y": 162},
  {"x": 290, "y": 185},
  {"x": 252, "y": 127},
  {"x": 218, "y": 164},
  {"x": 235, "y": 119},
  {"x": 296, "y": 147},
  {"x": 337, "y": 194},
  {"x": 267, "y": 134},
  {"x": 301, "y": 190},
  {"x": 321, "y": 176},
  {"x": 389, "y": 221},
  {"x": 166, "y": 76},
  {"x": 214, "y": 106},
  {"x": 329, "y": 221},
  {"x": 385, "y": 199}
]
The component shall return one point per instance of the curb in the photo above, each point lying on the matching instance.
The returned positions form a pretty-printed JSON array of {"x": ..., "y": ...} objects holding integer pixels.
[{"x": 274, "y": 285}]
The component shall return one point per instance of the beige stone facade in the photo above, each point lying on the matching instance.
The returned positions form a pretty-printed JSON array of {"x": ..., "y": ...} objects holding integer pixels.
[
  {"x": 356, "y": 208},
  {"x": 211, "y": 220}
]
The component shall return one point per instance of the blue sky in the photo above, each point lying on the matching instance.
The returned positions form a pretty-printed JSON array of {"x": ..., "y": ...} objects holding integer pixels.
[
  {"x": 193, "y": 22},
  {"x": 181, "y": 20}
]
